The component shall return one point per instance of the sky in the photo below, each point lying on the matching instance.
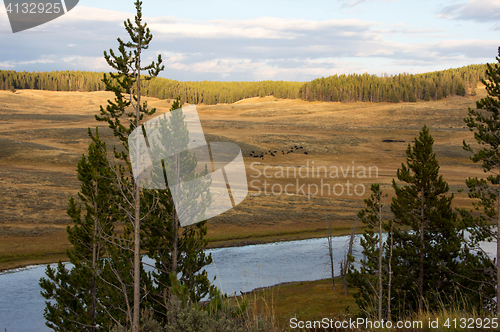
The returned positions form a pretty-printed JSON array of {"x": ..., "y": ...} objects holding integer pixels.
[{"x": 290, "y": 40}]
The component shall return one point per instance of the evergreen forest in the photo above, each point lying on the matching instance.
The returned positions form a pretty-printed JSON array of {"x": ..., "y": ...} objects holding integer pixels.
[{"x": 339, "y": 88}]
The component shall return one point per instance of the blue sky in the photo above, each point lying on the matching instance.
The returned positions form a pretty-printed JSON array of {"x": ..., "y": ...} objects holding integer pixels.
[{"x": 267, "y": 39}]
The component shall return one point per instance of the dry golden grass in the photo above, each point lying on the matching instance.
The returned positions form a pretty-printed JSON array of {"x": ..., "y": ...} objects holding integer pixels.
[
  {"x": 22, "y": 250},
  {"x": 43, "y": 135}
]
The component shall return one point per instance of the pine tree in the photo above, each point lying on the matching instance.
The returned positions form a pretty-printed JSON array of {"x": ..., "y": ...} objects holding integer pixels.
[
  {"x": 75, "y": 295},
  {"x": 429, "y": 244},
  {"x": 126, "y": 84},
  {"x": 177, "y": 251},
  {"x": 485, "y": 123}
]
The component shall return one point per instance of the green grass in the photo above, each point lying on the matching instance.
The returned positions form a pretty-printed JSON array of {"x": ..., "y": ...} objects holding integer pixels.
[
  {"x": 308, "y": 300},
  {"x": 315, "y": 300}
]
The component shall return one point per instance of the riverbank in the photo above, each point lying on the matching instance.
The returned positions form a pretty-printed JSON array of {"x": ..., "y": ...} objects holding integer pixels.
[{"x": 21, "y": 251}]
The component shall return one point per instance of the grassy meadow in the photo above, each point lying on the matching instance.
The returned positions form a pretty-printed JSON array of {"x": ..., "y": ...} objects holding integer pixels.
[{"x": 43, "y": 134}]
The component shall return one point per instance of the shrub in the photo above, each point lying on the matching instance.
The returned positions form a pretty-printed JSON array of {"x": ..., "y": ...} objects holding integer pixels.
[{"x": 220, "y": 314}]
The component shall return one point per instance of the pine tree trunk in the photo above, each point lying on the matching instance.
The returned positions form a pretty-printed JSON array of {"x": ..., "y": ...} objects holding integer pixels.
[
  {"x": 137, "y": 260},
  {"x": 381, "y": 249},
  {"x": 421, "y": 274},
  {"x": 330, "y": 252},
  {"x": 176, "y": 218},
  {"x": 331, "y": 262},
  {"x": 175, "y": 243},
  {"x": 137, "y": 228},
  {"x": 94, "y": 264},
  {"x": 389, "y": 284},
  {"x": 498, "y": 255},
  {"x": 349, "y": 253}
]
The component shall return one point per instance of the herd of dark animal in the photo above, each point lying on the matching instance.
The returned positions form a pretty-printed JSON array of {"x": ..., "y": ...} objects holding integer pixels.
[{"x": 274, "y": 153}]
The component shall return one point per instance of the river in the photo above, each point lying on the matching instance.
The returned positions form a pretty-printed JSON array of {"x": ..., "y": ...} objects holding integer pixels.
[{"x": 237, "y": 269}]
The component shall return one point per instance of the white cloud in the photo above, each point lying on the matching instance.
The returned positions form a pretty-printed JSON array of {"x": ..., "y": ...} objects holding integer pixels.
[
  {"x": 352, "y": 3},
  {"x": 217, "y": 31},
  {"x": 262, "y": 28},
  {"x": 473, "y": 10},
  {"x": 250, "y": 49},
  {"x": 7, "y": 65},
  {"x": 86, "y": 14},
  {"x": 404, "y": 29},
  {"x": 43, "y": 60},
  {"x": 91, "y": 63},
  {"x": 277, "y": 69}
]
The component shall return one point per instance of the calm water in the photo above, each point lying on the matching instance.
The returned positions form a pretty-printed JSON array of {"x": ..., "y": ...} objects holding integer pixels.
[{"x": 237, "y": 269}]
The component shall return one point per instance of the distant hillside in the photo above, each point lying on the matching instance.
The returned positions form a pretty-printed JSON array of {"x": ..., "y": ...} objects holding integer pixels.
[
  {"x": 403, "y": 87},
  {"x": 343, "y": 88}
]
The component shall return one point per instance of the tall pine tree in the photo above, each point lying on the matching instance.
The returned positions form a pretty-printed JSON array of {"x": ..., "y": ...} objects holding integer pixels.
[
  {"x": 177, "y": 251},
  {"x": 78, "y": 297},
  {"x": 433, "y": 264},
  {"x": 485, "y": 123},
  {"x": 425, "y": 255},
  {"x": 126, "y": 84}
]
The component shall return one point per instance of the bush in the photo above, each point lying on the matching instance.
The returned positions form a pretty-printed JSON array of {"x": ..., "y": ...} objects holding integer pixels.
[{"x": 220, "y": 314}]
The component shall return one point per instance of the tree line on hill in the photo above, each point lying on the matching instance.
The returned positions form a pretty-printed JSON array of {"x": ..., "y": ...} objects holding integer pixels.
[
  {"x": 395, "y": 88},
  {"x": 204, "y": 92},
  {"x": 339, "y": 88}
]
